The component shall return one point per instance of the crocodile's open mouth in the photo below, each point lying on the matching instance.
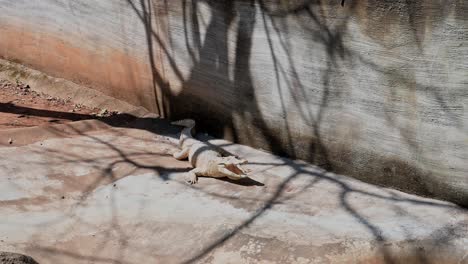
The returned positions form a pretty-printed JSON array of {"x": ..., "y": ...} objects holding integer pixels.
[{"x": 236, "y": 168}]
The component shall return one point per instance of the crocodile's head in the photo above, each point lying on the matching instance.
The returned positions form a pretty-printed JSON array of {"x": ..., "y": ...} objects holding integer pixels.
[{"x": 231, "y": 167}]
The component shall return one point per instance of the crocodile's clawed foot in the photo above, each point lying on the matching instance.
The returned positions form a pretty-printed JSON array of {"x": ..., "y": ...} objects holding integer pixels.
[{"x": 191, "y": 178}]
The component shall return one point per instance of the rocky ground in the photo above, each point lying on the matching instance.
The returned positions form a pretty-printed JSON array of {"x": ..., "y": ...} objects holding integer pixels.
[
  {"x": 14, "y": 258},
  {"x": 20, "y": 106}
]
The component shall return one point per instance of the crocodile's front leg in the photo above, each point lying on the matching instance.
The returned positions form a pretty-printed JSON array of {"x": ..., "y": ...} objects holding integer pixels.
[
  {"x": 192, "y": 176},
  {"x": 183, "y": 154}
]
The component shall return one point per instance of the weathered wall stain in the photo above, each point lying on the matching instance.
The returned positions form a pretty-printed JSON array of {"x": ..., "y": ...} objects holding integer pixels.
[
  {"x": 110, "y": 71},
  {"x": 374, "y": 89}
]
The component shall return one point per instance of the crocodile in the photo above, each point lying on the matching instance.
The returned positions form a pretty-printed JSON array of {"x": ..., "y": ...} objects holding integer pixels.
[{"x": 207, "y": 160}]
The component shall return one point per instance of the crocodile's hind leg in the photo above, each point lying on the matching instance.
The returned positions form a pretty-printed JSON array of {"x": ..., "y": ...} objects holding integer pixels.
[
  {"x": 183, "y": 154},
  {"x": 192, "y": 176}
]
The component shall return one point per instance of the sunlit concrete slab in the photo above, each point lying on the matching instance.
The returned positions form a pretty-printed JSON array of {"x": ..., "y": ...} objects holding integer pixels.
[{"x": 116, "y": 195}]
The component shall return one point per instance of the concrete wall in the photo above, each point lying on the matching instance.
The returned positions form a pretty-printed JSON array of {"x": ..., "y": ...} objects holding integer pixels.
[{"x": 374, "y": 89}]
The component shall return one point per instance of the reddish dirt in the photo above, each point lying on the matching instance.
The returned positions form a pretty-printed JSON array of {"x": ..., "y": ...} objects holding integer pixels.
[{"x": 22, "y": 107}]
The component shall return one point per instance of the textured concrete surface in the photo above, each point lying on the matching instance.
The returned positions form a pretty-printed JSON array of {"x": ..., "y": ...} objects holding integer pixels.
[
  {"x": 116, "y": 195},
  {"x": 374, "y": 89}
]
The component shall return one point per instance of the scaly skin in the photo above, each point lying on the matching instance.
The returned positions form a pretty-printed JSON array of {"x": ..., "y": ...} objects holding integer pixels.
[{"x": 205, "y": 159}]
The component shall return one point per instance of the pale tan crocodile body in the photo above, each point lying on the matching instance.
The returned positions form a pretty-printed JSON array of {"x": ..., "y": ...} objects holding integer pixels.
[{"x": 206, "y": 160}]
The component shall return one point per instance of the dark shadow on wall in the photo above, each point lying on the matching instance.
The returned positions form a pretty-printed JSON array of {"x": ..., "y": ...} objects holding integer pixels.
[
  {"x": 143, "y": 8},
  {"x": 310, "y": 15},
  {"x": 233, "y": 111},
  {"x": 211, "y": 63}
]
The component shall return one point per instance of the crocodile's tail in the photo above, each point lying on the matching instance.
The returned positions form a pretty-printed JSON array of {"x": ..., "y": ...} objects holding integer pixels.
[{"x": 189, "y": 123}]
